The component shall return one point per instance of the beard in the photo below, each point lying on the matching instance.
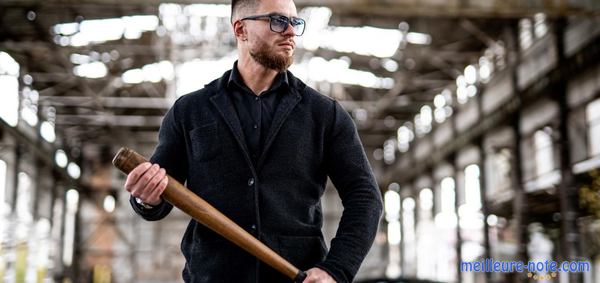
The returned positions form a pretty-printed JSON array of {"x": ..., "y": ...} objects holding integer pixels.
[{"x": 265, "y": 56}]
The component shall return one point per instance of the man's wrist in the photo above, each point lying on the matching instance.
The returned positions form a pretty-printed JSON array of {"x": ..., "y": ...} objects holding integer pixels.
[{"x": 335, "y": 273}]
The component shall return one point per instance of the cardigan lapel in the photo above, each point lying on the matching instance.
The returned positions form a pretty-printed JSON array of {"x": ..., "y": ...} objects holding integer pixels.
[
  {"x": 286, "y": 105},
  {"x": 224, "y": 105}
]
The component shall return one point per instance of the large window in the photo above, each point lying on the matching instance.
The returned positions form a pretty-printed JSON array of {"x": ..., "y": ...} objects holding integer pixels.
[
  {"x": 471, "y": 216},
  {"x": 525, "y": 33},
  {"x": 9, "y": 84},
  {"x": 540, "y": 247},
  {"x": 544, "y": 155},
  {"x": 593, "y": 127},
  {"x": 30, "y": 106},
  {"x": 72, "y": 199},
  {"x": 4, "y": 210},
  {"x": 448, "y": 196},
  {"x": 19, "y": 240},
  {"x": 409, "y": 245},
  {"x": 392, "y": 216},
  {"x": 543, "y": 173},
  {"x": 531, "y": 29},
  {"x": 3, "y": 205},
  {"x": 500, "y": 172},
  {"x": 23, "y": 206},
  {"x": 472, "y": 188},
  {"x": 426, "y": 237},
  {"x": 446, "y": 224}
]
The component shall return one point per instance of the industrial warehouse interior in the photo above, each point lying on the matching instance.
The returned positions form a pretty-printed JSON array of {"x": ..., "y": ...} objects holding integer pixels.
[{"x": 480, "y": 120}]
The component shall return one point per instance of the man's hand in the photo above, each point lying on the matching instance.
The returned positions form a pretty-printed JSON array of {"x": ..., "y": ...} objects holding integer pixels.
[
  {"x": 147, "y": 182},
  {"x": 317, "y": 275}
]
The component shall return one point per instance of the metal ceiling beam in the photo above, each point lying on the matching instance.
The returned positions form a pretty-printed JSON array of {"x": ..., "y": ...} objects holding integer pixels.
[
  {"x": 108, "y": 120},
  {"x": 362, "y": 62},
  {"x": 458, "y": 9},
  {"x": 397, "y": 8},
  {"x": 111, "y": 102}
]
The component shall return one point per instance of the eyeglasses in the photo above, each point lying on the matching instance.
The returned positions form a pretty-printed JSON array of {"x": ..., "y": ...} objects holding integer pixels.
[{"x": 279, "y": 23}]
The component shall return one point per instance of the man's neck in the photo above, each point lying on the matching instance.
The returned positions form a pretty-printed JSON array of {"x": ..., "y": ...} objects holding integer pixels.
[{"x": 256, "y": 76}]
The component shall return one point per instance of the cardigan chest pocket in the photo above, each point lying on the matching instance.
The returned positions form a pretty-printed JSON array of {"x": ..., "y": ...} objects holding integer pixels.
[{"x": 204, "y": 141}]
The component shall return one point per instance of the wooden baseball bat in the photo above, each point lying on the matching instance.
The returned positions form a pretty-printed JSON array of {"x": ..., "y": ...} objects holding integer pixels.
[{"x": 190, "y": 203}]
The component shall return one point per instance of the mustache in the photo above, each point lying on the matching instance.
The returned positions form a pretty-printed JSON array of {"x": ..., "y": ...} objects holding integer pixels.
[{"x": 287, "y": 42}]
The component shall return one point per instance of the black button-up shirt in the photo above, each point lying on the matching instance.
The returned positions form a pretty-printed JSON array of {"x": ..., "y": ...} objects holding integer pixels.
[{"x": 255, "y": 112}]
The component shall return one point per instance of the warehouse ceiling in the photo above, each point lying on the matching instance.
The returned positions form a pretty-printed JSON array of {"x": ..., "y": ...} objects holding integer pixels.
[{"x": 111, "y": 81}]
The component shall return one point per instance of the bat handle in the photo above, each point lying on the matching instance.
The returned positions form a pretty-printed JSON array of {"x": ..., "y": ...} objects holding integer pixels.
[{"x": 300, "y": 277}]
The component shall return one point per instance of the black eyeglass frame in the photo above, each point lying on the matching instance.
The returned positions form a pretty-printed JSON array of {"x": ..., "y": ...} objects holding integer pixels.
[{"x": 278, "y": 17}]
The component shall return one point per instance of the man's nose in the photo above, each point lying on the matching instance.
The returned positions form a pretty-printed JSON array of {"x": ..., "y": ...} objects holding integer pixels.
[{"x": 289, "y": 31}]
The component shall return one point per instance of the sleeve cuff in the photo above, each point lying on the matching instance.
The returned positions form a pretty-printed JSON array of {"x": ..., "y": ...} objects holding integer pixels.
[{"x": 148, "y": 214}]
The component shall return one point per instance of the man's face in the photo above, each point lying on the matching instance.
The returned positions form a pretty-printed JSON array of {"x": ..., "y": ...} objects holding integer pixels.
[{"x": 271, "y": 49}]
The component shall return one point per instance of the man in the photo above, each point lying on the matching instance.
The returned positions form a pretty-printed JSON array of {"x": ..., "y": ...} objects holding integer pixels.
[{"x": 258, "y": 144}]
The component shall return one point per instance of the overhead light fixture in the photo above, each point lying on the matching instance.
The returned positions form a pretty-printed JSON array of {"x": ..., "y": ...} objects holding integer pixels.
[
  {"x": 61, "y": 159},
  {"x": 109, "y": 203},
  {"x": 94, "y": 70},
  {"x": 74, "y": 170},
  {"x": 418, "y": 38},
  {"x": 470, "y": 74},
  {"x": 47, "y": 131}
]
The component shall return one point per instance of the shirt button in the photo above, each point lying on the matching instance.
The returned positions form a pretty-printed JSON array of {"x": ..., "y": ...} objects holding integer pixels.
[
  {"x": 250, "y": 181},
  {"x": 253, "y": 227},
  {"x": 256, "y": 98},
  {"x": 255, "y": 126}
]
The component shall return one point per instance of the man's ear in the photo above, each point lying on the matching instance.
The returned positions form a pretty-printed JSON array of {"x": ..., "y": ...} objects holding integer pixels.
[{"x": 239, "y": 30}]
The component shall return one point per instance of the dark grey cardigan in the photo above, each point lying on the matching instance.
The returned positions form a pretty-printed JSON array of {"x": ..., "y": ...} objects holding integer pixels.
[{"x": 278, "y": 200}]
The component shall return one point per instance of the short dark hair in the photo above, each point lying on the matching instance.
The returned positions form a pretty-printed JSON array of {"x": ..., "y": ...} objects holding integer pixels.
[{"x": 242, "y": 5}]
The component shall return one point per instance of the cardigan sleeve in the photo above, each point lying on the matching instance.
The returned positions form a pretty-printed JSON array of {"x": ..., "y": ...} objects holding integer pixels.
[
  {"x": 351, "y": 174},
  {"x": 169, "y": 154}
]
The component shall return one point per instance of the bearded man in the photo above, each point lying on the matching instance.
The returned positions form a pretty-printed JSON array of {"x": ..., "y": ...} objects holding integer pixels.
[{"x": 258, "y": 144}]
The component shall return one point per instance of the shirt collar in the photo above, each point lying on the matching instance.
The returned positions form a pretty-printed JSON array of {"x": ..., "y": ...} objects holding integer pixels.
[{"x": 235, "y": 77}]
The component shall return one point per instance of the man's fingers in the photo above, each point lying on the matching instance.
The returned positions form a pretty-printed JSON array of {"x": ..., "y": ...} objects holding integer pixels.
[
  {"x": 151, "y": 185},
  {"x": 163, "y": 185},
  {"x": 154, "y": 198},
  {"x": 135, "y": 174},
  {"x": 142, "y": 186},
  {"x": 155, "y": 180},
  {"x": 147, "y": 177},
  {"x": 137, "y": 189},
  {"x": 143, "y": 180}
]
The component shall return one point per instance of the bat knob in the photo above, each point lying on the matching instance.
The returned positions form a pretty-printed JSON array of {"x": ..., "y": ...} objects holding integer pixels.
[{"x": 300, "y": 277}]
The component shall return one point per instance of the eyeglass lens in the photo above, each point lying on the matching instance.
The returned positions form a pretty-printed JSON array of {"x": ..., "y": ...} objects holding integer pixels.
[{"x": 280, "y": 24}]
